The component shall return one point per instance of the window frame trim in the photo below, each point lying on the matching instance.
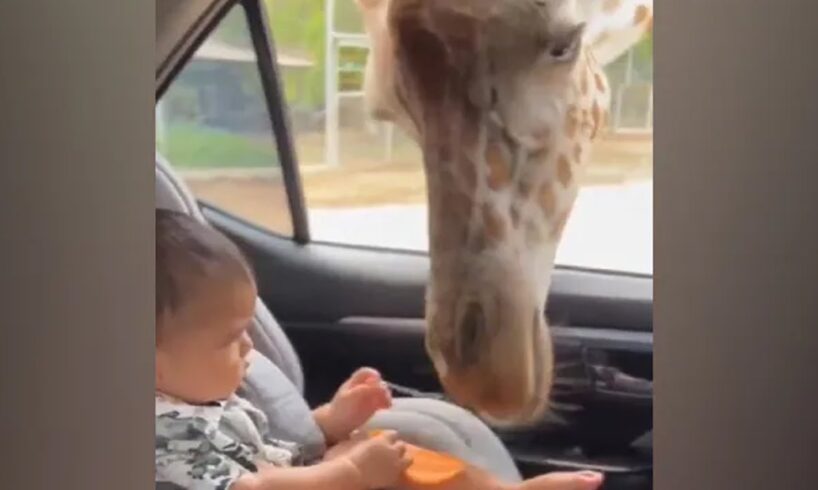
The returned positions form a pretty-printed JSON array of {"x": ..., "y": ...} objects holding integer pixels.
[{"x": 267, "y": 64}]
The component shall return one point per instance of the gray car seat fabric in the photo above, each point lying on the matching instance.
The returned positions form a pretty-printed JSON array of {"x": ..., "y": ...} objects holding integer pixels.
[
  {"x": 275, "y": 383},
  {"x": 448, "y": 428},
  {"x": 267, "y": 388}
]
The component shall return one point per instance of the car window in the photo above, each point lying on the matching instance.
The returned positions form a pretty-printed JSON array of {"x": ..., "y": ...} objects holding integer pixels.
[
  {"x": 213, "y": 127},
  {"x": 363, "y": 181}
]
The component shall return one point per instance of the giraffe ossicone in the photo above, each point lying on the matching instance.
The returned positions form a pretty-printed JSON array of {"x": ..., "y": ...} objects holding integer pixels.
[{"x": 504, "y": 98}]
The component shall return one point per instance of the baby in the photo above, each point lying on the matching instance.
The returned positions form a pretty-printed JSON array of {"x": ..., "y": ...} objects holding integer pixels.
[{"x": 209, "y": 438}]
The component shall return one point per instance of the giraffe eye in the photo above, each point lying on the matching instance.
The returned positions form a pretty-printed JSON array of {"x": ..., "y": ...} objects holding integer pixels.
[{"x": 559, "y": 50}]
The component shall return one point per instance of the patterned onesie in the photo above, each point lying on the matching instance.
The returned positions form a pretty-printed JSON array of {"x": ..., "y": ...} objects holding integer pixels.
[{"x": 208, "y": 447}]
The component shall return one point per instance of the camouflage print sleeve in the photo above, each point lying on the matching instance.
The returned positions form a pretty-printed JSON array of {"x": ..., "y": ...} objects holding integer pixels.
[
  {"x": 189, "y": 452},
  {"x": 197, "y": 470}
]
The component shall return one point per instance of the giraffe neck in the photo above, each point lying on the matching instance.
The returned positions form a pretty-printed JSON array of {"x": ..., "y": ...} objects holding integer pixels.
[{"x": 527, "y": 181}]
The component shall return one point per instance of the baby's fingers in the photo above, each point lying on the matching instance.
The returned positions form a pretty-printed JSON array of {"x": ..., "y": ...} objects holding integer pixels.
[
  {"x": 377, "y": 399},
  {"x": 385, "y": 396},
  {"x": 358, "y": 436},
  {"x": 390, "y": 436},
  {"x": 388, "y": 395},
  {"x": 365, "y": 375}
]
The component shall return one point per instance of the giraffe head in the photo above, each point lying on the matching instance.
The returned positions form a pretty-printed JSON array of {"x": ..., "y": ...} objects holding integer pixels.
[{"x": 503, "y": 100}]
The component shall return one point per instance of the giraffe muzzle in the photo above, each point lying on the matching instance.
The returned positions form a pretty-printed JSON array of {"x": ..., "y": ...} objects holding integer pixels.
[{"x": 490, "y": 352}]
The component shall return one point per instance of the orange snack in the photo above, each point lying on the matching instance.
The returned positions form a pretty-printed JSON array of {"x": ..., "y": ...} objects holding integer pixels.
[{"x": 429, "y": 468}]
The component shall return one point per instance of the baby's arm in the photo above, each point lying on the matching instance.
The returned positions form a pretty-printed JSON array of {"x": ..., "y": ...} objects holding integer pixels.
[
  {"x": 374, "y": 463},
  {"x": 338, "y": 474}
]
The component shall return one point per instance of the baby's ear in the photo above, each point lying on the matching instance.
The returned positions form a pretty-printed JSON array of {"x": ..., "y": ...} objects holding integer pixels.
[{"x": 564, "y": 46}]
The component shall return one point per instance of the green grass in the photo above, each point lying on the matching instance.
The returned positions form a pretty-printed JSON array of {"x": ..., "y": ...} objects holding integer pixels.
[{"x": 194, "y": 147}]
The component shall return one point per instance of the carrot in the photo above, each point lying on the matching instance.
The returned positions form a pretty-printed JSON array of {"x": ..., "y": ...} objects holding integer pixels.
[{"x": 429, "y": 468}]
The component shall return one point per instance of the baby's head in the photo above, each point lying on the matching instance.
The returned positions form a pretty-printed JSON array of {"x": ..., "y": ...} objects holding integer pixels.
[{"x": 205, "y": 301}]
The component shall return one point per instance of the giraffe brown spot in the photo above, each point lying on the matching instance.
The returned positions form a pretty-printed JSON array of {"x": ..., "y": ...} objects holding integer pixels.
[
  {"x": 600, "y": 83},
  {"x": 595, "y": 118},
  {"x": 609, "y": 6},
  {"x": 571, "y": 122},
  {"x": 495, "y": 227},
  {"x": 571, "y": 128},
  {"x": 640, "y": 14},
  {"x": 586, "y": 124},
  {"x": 548, "y": 201},
  {"x": 564, "y": 170},
  {"x": 499, "y": 174}
]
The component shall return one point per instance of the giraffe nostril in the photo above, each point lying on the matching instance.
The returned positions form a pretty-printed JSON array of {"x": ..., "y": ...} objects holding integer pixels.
[{"x": 472, "y": 328}]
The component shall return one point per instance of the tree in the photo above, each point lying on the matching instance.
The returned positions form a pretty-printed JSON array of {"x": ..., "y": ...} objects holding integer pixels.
[{"x": 298, "y": 29}]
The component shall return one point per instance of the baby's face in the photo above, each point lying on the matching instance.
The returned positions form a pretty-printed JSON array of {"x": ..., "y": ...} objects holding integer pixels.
[{"x": 202, "y": 356}]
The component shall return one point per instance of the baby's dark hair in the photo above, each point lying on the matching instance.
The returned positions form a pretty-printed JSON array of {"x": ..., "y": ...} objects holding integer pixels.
[{"x": 187, "y": 253}]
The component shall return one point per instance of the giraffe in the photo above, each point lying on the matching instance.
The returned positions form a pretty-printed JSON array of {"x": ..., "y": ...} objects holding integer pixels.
[{"x": 504, "y": 98}]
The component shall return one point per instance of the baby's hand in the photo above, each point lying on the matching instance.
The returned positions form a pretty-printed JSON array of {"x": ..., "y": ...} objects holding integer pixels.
[
  {"x": 355, "y": 402},
  {"x": 344, "y": 447},
  {"x": 380, "y": 460}
]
